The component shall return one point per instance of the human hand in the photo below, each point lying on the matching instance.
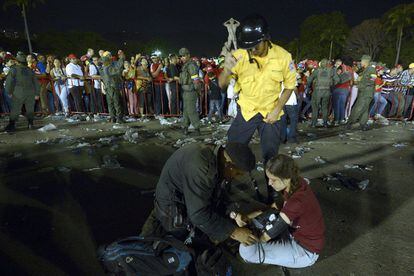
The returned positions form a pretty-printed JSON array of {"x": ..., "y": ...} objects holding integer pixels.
[
  {"x": 265, "y": 237},
  {"x": 229, "y": 61},
  {"x": 272, "y": 117},
  {"x": 244, "y": 236}
]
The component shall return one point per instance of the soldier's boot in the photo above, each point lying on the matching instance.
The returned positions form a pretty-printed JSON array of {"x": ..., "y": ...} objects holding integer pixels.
[
  {"x": 112, "y": 120},
  {"x": 30, "y": 124},
  {"x": 197, "y": 131},
  {"x": 11, "y": 127},
  {"x": 120, "y": 120}
]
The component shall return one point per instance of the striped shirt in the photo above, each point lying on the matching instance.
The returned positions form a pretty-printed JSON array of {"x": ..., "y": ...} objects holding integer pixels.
[
  {"x": 390, "y": 82},
  {"x": 406, "y": 79}
]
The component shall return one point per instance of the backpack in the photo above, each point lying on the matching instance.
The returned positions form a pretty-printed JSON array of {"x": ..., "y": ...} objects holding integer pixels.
[
  {"x": 145, "y": 256},
  {"x": 324, "y": 79},
  {"x": 212, "y": 262}
]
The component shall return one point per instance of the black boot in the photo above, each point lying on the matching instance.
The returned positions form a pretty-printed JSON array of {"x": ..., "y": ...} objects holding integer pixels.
[
  {"x": 30, "y": 124},
  {"x": 11, "y": 127}
]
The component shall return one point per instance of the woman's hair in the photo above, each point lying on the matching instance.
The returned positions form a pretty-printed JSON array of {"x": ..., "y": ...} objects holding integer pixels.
[{"x": 284, "y": 167}]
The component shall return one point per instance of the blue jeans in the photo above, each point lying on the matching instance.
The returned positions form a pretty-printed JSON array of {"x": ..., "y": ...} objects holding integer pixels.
[
  {"x": 339, "y": 97},
  {"x": 291, "y": 112},
  {"x": 213, "y": 107},
  {"x": 241, "y": 131},
  {"x": 288, "y": 254},
  {"x": 379, "y": 104},
  {"x": 7, "y": 102},
  {"x": 223, "y": 101}
]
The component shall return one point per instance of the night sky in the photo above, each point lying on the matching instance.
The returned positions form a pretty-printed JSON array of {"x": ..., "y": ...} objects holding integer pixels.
[{"x": 194, "y": 24}]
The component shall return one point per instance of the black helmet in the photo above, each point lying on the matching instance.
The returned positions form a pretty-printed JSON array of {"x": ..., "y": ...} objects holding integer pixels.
[{"x": 253, "y": 29}]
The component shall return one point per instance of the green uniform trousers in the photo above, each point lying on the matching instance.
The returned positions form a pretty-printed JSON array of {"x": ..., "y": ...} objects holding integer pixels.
[
  {"x": 190, "y": 114},
  {"x": 320, "y": 97},
  {"x": 17, "y": 102},
  {"x": 113, "y": 99},
  {"x": 360, "y": 111}
]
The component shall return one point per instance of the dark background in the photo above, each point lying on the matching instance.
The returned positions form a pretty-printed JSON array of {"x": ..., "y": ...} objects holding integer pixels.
[{"x": 194, "y": 24}]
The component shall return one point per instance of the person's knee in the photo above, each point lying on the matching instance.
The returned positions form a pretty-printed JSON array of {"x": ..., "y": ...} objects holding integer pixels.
[{"x": 248, "y": 253}]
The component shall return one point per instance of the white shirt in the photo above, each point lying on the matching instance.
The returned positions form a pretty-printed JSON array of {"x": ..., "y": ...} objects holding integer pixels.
[
  {"x": 74, "y": 69},
  {"x": 292, "y": 99},
  {"x": 94, "y": 71}
]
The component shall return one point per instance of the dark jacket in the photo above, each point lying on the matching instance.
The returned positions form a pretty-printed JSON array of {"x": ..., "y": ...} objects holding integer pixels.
[{"x": 190, "y": 176}]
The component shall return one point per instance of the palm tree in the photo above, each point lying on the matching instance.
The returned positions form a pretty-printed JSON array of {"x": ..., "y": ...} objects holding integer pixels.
[
  {"x": 400, "y": 18},
  {"x": 23, "y": 5}
]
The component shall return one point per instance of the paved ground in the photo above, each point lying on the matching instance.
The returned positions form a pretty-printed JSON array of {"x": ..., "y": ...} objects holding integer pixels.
[{"x": 64, "y": 192}]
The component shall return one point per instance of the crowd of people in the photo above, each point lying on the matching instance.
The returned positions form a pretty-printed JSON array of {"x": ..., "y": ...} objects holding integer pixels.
[
  {"x": 150, "y": 85},
  {"x": 260, "y": 87}
]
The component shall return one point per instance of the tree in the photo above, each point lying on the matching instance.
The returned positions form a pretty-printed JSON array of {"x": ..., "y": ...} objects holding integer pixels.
[
  {"x": 398, "y": 19},
  {"x": 23, "y": 5},
  {"x": 366, "y": 38},
  {"x": 323, "y": 35}
]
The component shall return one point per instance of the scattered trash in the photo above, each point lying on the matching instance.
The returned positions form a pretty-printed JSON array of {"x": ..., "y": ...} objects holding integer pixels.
[
  {"x": 43, "y": 141},
  {"x": 107, "y": 140},
  {"x": 348, "y": 182},
  {"x": 160, "y": 135},
  {"x": 81, "y": 145},
  {"x": 167, "y": 122},
  {"x": 56, "y": 117},
  {"x": 131, "y": 119},
  {"x": 299, "y": 152},
  {"x": 311, "y": 135},
  {"x": 359, "y": 167},
  {"x": 131, "y": 135},
  {"x": 17, "y": 154},
  {"x": 224, "y": 127},
  {"x": 319, "y": 159},
  {"x": 181, "y": 143},
  {"x": 118, "y": 126},
  {"x": 64, "y": 169},
  {"x": 48, "y": 127},
  {"x": 400, "y": 145},
  {"x": 65, "y": 139},
  {"x": 92, "y": 169},
  {"x": 334, "y": 189},
  {"x": 110, "y": 162}
]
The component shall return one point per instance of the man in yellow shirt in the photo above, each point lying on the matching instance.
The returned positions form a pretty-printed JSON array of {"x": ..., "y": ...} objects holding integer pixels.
[{"x": 260, "y": 68}]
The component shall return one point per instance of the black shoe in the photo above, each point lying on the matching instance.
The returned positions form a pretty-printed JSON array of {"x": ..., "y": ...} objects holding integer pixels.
[
  {"x": 112, "y": 120},
  {"x": 365, "y": 128},
  {"x": 30, "y": 124},
  {"x": 11, "y": 127},
  {"x": 120, "y": 121},
  {"x": 197, "y": 132},
  {"x": 325, "y": 125}
]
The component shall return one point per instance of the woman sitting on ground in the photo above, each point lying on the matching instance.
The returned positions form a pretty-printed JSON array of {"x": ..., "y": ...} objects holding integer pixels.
[{"x": 293, "y": 235}]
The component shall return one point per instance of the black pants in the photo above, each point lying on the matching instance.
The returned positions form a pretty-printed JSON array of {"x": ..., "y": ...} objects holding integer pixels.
[{"x": 76, "y": 92}]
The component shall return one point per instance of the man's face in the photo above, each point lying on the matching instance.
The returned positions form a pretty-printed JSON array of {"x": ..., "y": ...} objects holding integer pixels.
[
  {"x": 260, "y": 49},
  {"x": 91, "y": 52},
  {"x": 101, "y": 52},
  {"x": 2, "y": 54},
  {"x": 364, "y": 63},
  {"x": 185, "y": 58},
  {"x": 73, "y": 60},
  {"x": 29, "y": 59},
  {"x": 95, "y": 60},
  {"x": 41, "y": 58}
]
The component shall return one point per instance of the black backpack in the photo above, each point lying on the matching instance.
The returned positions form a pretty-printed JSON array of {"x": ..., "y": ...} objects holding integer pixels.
[{"x": 145, "y": 256}]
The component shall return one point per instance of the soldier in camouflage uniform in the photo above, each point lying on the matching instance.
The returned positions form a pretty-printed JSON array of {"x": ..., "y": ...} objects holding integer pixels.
[
  {"x": 111, "y": 76},
  {"x": 191, "y": 86},
  {"x": 324, "y": 78},
  {"x": 24, "y": 89},
  {"x": 366, "y": 89}
]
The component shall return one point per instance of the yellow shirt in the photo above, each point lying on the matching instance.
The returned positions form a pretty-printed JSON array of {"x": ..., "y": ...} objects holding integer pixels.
[{"x": 259, "y": 88}]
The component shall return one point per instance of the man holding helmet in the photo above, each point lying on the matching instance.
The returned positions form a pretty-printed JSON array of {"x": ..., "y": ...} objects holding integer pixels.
[{"x": 259, "y": 67}]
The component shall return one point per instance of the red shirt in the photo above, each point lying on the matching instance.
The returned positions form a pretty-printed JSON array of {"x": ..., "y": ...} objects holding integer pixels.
[
  {"x": 378, "y": 81},
  {"x": 303, "y": 210},
  {"x": 347, "y": 84},
  {"x": 154, "y": 68}
]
